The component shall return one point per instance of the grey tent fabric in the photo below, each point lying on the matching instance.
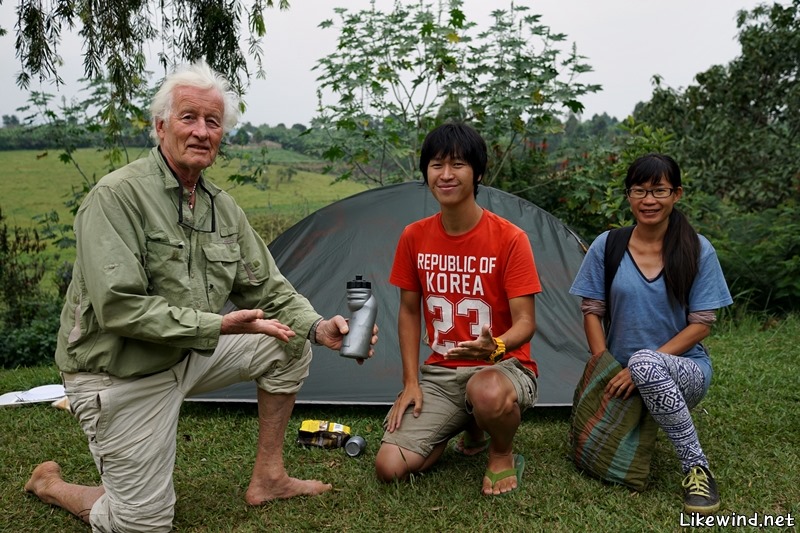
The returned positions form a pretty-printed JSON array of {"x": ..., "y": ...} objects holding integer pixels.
[{"x": 358, "y": 235}]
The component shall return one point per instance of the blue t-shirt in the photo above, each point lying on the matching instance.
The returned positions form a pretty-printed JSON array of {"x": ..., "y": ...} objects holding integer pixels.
[{"x": 643, "y": 316}]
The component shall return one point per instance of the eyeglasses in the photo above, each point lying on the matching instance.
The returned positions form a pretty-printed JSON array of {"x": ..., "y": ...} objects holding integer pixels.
[
  {"x": 180, "y": 209},
  {"x": 639, "y": 193}
]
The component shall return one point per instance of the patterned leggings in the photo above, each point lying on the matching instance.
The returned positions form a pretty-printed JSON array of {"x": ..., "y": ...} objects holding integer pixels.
[{"x": 670, "y": 386}]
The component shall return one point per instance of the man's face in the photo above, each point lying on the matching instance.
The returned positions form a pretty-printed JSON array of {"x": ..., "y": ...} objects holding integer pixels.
[
  {"x": 191, "y": 135},
  {"x": 451, "y": 180}
]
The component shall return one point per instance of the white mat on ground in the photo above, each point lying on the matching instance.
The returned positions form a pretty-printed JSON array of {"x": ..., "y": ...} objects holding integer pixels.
[{"x": 45, "y": 393}]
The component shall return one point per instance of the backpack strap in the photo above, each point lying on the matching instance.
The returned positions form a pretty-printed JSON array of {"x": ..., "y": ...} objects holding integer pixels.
[{"x": 616, "y": 244}]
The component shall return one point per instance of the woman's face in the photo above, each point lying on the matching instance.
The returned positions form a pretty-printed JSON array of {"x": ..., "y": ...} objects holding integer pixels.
[{"x": 652, "y": 210}]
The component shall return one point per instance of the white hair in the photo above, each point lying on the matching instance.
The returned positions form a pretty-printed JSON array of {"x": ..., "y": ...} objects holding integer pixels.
[{"x": 201, "y": 76}]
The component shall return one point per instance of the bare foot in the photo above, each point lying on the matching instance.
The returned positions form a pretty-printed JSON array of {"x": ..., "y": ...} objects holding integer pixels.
[
  {"x": 288, "y": 487},
  {"x": 42, "y": 479}
]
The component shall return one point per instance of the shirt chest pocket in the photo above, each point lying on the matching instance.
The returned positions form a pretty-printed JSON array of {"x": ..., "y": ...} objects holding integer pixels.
[
  {"x": 166, "y": 265},
  {"x": 222, "y": 261}
]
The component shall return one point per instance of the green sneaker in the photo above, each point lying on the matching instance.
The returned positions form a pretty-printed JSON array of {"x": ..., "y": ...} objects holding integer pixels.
[{"x": 700, "y": 491}]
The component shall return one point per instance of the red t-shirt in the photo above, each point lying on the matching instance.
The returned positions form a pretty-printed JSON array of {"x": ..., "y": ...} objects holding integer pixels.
[{"x": 466, "y": 281}]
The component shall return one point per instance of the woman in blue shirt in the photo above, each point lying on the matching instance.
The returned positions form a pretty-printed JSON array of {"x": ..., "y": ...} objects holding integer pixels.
[{"x": 661, "y": 305}]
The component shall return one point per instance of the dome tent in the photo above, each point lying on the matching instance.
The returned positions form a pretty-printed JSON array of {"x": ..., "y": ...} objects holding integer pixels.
[{"x": 358, "y": 235}]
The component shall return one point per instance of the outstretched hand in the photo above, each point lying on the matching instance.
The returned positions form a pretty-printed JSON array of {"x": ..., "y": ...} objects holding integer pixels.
[
  {"x": 253, "y": 321},
  {"x": 480, "y": 349},
  {"x": 331, "y": 331}
]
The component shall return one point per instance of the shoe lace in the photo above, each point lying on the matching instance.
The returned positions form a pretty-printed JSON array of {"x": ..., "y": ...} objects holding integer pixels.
[{"x": 696, "y": 481}]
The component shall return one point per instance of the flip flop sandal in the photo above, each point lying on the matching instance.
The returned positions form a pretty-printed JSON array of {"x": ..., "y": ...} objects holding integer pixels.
[
  {"x": 467, "y": 447},
  {"x": 519, "y": 468}
]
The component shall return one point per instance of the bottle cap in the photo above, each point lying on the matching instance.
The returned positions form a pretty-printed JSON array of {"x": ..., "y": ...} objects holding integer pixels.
[{"x": 359, "y": 283}]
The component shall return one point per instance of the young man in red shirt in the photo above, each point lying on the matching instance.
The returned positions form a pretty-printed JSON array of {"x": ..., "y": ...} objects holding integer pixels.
[{"x": 471, "y": 275}]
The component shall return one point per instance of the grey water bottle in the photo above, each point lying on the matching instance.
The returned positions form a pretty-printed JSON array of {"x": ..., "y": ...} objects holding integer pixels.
[{"x": 363, "y": 310}]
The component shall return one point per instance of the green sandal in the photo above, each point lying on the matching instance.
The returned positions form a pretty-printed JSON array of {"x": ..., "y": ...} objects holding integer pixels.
[{"x": 494, "y": 477}]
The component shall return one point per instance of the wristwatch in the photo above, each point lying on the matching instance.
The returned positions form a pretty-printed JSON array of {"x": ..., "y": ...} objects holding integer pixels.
[
  {"x": 499, "y": 352},
  {"x": 312, "y": 333}
]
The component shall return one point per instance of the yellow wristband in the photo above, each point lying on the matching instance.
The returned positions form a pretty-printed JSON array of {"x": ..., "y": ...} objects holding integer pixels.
[{"x": 499, "y": 352}]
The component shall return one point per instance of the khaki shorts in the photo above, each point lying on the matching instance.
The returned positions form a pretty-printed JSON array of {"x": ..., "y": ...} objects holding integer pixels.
[
  {"x": 131, "y": 423},
  {"x": 445, "y": 410}
]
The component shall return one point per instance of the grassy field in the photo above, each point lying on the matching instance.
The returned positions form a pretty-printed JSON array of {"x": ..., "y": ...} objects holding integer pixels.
[
  {"x": 749, "y": 426},
  {"x": 34, "y": 182},
  {"x": 37, "y": 182}
]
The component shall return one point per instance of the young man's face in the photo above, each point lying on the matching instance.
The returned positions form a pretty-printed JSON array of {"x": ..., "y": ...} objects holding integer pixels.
[{"x": 451, "y": 180}]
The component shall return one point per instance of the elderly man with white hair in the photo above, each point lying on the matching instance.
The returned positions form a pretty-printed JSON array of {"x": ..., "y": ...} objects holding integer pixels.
[{"x": 173, "y": 294}]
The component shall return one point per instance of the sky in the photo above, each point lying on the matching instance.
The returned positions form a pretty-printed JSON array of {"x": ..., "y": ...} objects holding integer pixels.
[{"x": 626, "y": 42}]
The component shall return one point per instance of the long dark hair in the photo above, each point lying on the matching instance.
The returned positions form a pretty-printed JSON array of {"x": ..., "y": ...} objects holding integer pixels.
[{"x": 680, "y": 252}]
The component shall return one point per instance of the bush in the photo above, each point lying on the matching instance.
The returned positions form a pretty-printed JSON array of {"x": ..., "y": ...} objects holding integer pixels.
[
  {"x": 759, "y": 251},
  {"x": 33, "y": 343},
  {"x": 585, "y": 190},
  {"x": 29, "y": 316}
]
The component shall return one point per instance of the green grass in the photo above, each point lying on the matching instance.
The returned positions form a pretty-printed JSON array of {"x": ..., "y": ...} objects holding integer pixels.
[
  {"x": 749, "y": 426},
  {"x": 34, "y": 182}
]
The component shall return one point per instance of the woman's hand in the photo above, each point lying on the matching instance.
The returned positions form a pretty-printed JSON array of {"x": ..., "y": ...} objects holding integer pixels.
[{"x": 621, "y": 385}]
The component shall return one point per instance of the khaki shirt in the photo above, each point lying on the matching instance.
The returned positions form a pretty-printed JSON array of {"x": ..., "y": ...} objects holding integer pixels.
[{"x": 145, "y": 290}]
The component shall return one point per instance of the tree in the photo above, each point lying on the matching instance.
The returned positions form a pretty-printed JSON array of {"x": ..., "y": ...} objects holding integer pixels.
[
  {"x": 394, "y": 72},
  {"x": 582, "y": 183},
  {"x": 738, "y": 127},
  {"x": 241, "y": 137},
  {"x": 737, "y": 134},
  {"x": 115, "y": 34},
  {"x": 286, "y": 174},
  {"x": 10, "y": 121}
]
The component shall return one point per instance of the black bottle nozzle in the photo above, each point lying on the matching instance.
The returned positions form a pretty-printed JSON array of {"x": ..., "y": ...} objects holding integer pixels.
[{"x": 359, "y": 283}]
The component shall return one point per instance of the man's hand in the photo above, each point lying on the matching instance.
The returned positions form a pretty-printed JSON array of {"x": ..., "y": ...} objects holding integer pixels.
[
  {"x": 480, "y": 349},
  {"x": 409, "y": 395},
  {"x": 252, "y": 321},
  {"x": 330, "y": 333},
  {"x": 621, "y": 385}
]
